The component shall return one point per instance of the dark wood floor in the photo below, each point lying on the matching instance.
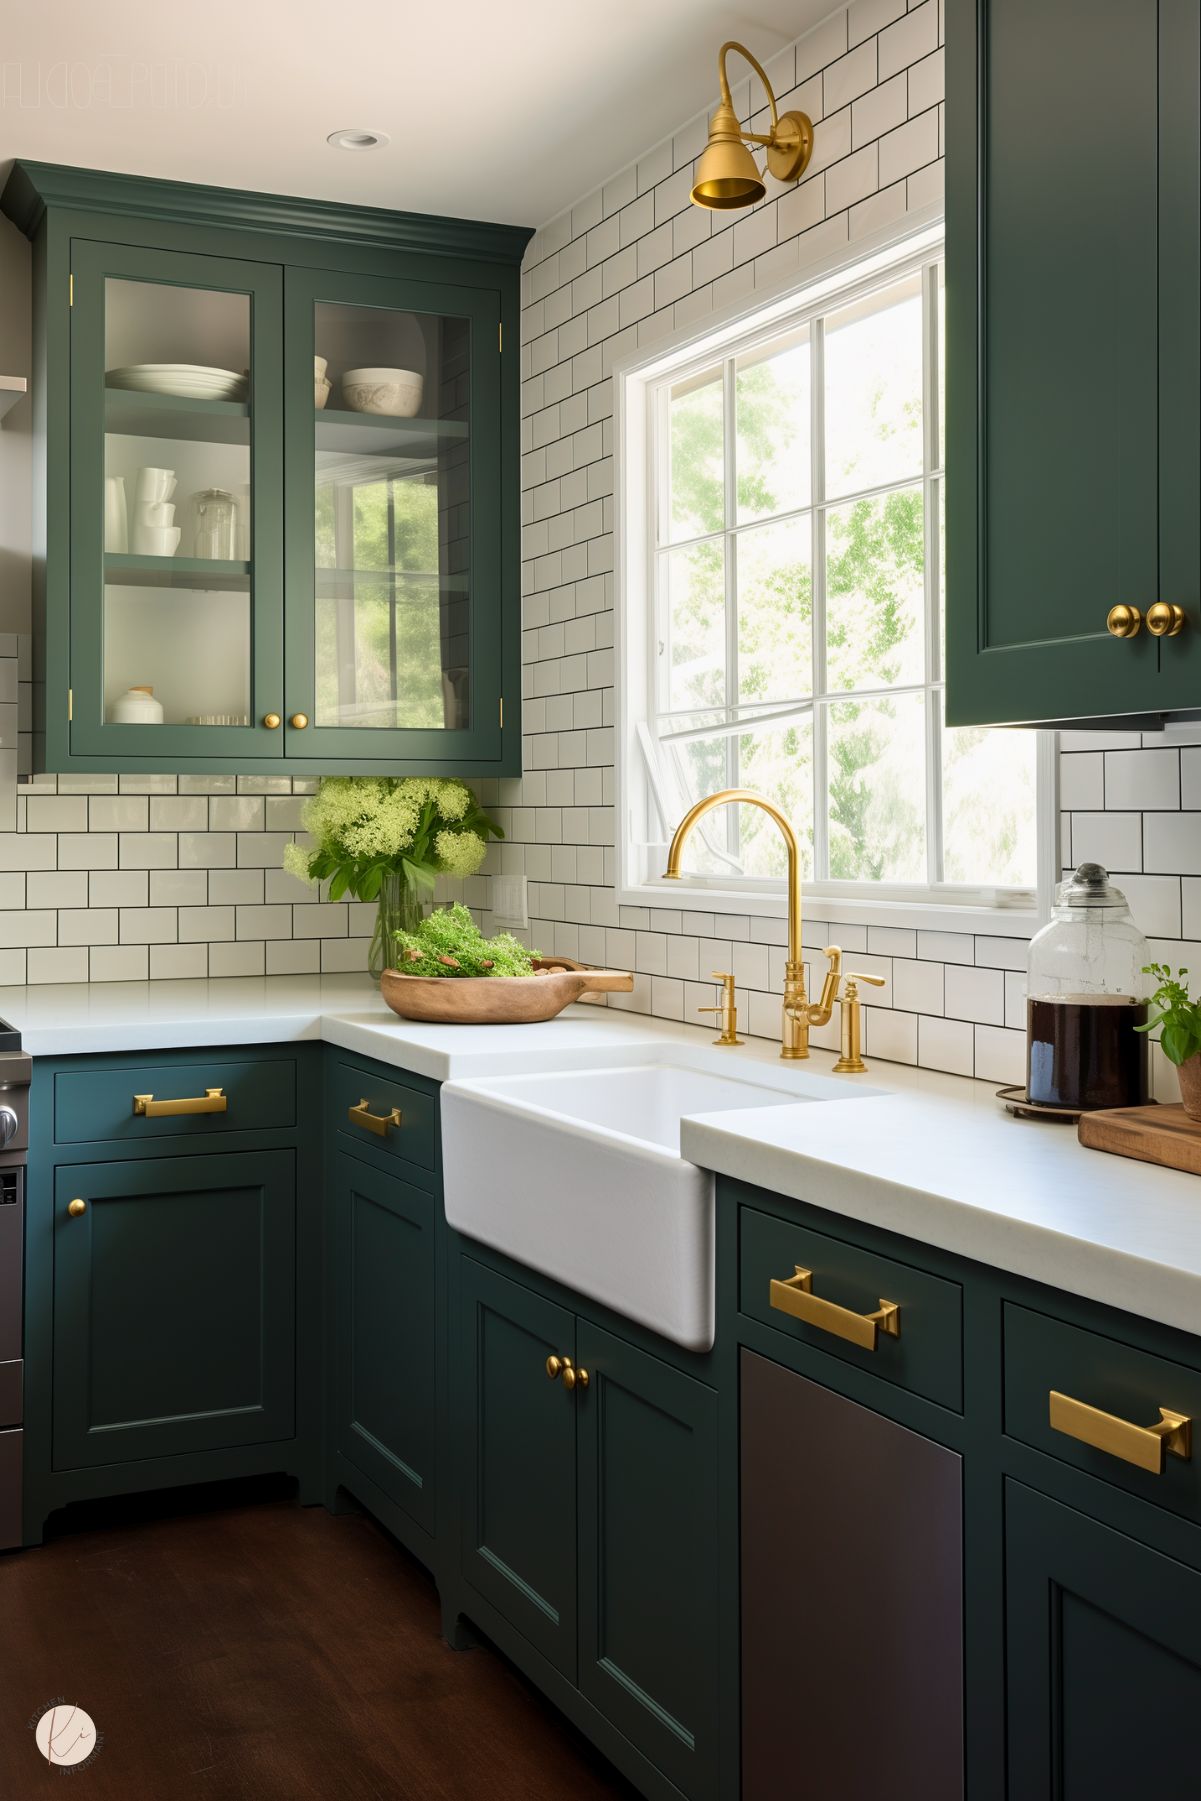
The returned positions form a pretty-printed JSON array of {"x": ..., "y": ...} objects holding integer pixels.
[{"x": 265, "y": 1651}]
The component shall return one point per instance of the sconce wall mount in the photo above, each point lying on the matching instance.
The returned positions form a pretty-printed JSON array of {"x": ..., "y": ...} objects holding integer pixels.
[{"x": 726, "y": 175}]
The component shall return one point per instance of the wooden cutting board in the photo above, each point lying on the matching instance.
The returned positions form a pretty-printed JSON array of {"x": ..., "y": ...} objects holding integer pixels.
[{"x": 1152, "y": 1134}]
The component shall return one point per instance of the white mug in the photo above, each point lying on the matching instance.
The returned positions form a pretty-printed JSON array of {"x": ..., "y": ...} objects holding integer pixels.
[
  {"x": 157, "y": 513},
  {"x": 154, "y": 484},
  {"x": 116, "y": 516},
  {"x": 155, "y": 540}
]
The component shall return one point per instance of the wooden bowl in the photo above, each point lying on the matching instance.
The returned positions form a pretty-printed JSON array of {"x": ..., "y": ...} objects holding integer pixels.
[{"x": 499, "y": 1000}]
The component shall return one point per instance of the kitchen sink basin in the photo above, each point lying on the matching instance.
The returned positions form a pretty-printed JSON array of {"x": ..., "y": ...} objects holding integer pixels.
[{"x": 578, "y": 1173}]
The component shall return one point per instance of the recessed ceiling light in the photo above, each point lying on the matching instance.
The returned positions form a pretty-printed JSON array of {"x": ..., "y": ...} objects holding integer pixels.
[{"x": 357, "y": 137}]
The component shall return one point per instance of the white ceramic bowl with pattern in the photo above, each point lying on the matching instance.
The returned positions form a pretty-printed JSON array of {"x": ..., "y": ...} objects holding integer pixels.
[{"x": 394, "y": 392}]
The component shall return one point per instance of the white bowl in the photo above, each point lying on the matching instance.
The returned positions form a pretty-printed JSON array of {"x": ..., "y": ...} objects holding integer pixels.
[
  {"x": 320, "y": 365},
  {"x": 396, "y": 392},
  {"x": 320, "y": 392}
]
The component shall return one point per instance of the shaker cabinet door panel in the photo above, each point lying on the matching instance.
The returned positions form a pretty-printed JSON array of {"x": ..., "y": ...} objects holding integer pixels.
[
  {"x": 174, "y": 1306},
  {"x": 649, "y": 1555},
  {"x": 519, "y": 1499},
  {"x": 852, "y": 1598},
  {"x": 1103, "y": 1654},
  {"x": 385, "y": 1334},
  {"x": 176, "y": 504}
]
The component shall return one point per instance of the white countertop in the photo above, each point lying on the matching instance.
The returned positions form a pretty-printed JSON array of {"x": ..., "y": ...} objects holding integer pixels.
[{"x": 929, "y": 1156}]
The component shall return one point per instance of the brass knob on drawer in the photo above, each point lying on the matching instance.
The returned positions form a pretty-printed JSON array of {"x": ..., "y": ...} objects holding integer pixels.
[
  {"x": 1165, "y": 619},
  {"x": 557, "y": 1366},
  {"x": 272, "y": 721},
  {"x": 76, "y": 1208},
  {"x": 1124, "y": 622},
  {"x": 299, "y": 721}
]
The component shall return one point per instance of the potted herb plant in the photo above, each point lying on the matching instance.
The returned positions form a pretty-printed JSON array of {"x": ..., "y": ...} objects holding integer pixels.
[
  {"x": 387, "y": 839},
  {"x": 1180, "y": 1036}
]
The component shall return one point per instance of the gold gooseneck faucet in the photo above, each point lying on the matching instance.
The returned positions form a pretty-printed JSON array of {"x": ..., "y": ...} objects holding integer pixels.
[{"x": 799, "y": 1012}]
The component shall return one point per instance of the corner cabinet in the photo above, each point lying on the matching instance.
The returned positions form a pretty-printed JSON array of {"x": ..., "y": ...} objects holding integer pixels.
[
  {"x": 1074, "y": 359},
  {"x": 278, "y": 521}
]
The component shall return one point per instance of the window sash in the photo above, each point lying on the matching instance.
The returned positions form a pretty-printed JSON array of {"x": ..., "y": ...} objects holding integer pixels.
[{"x": 670, "y": 726}]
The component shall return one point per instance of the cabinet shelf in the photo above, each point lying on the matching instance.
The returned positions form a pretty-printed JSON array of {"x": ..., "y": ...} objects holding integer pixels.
[
  {"x": 375, "y": 434},
  {"x": 168, "y": 416},
  {"x": 175, "y": 572},
  {"x": 345, "y": 581}
]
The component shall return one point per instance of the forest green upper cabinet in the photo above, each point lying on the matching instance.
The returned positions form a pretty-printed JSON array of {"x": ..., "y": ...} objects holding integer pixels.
[
  {"x": 1074, "y": 357},
  {"x": 311, "y": 571}
]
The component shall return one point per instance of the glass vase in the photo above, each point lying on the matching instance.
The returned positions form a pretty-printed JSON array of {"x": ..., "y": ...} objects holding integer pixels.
[{"x": 401, "y": 909}]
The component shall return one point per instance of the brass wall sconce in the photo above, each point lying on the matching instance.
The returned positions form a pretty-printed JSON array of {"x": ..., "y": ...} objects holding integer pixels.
[{"x": 726, "y": 175}]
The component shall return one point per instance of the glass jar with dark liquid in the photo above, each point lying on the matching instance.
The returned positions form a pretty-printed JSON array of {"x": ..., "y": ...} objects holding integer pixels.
[{"x": 1086, "y": 999}]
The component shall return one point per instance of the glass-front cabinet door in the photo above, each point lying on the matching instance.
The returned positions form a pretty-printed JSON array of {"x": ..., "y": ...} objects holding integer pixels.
[
  {"x": 393, "y": 528},
  {"x": 176, "y": 506}
]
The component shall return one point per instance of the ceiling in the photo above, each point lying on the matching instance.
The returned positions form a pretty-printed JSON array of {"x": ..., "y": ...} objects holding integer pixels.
[{"x": 507, "y": 112}]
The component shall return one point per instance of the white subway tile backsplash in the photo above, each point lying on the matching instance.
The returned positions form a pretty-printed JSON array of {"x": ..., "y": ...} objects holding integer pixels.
[
  {"x": 1142, "y": 780},
  {"x": 114, "y": 963},
  {"x": 946, "y": 1044},
  {"x": 977, "y": 994},
  {"x": 1114, "y": 840},
  {"x": 1172, "y": 842}
]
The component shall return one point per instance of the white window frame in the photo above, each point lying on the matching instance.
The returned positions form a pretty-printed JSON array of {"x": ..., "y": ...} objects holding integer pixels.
[{"x": 642, "y": 800}]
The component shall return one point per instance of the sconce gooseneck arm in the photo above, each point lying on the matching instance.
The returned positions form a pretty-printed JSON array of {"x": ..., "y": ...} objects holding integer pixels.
[{"x": 751, "y": 136}]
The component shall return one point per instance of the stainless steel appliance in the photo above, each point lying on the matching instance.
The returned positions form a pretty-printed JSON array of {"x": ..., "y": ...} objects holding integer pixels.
[{"x": 14, "y": 1149}]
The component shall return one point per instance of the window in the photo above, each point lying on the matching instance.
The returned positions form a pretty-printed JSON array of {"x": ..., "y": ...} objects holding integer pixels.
[{"x": 783, "y": 501}]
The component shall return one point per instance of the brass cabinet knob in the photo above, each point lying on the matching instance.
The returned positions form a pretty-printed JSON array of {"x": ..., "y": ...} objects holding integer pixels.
[
  {"x": 299, "y": 720},
  {"x": 76, "y": 1208},
  {"x": 1164, "y": 619},
  {"x": 272, "y": 721},
  {"x": 1124, "y": 622},
  {"x": 580, "y": 1378},
  {"x": 555, "y": 1366}
]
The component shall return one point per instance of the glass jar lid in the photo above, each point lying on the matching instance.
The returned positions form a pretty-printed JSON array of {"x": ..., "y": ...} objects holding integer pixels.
[{"x": 1090, "y": 886}]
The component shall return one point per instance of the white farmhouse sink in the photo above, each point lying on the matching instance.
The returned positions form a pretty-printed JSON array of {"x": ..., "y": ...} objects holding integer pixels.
[{"x": 578, "y": 1173}]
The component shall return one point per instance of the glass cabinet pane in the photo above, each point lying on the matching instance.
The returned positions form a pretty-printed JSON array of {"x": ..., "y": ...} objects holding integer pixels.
[
  {"x": 176, "y": 644},
  {"x": 392, "y": 645}
]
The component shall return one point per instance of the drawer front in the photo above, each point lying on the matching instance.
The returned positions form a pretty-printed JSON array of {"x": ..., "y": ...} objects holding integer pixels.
[
  {"x": 365, "y": 1107},
  {"x": 845, "y": 1286},
  {"x": 1111, "y": 1395},
  {"x": 93, "y": 1105}
]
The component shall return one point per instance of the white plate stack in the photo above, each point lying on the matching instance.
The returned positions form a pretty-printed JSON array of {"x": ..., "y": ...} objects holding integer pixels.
[{"x": 186, "y": 381}]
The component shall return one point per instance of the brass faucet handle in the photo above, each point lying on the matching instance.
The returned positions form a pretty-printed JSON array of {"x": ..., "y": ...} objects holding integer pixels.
[
  {"x": 850, "y": 1061},
  {"x": 728, "y": 1009}
]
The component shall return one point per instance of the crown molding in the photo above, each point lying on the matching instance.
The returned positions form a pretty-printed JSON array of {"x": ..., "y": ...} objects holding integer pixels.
[{"x": 33, "y": 188}]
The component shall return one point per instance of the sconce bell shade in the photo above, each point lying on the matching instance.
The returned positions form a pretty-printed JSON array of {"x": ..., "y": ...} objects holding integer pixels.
[{"x": 726, "y": 175}]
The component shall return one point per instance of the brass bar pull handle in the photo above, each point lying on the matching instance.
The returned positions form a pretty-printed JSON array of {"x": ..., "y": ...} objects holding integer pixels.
[
  {"x": 1144, "y": 1446},
  {"x": 795, "y": 1296},
  {"x": 213, "y": 1100},
  {"x": 379, "y": 1123}
]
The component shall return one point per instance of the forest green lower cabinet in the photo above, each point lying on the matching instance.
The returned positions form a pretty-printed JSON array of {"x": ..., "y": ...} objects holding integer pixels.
[
  {"x": 174, "y": 1306},
  {"x": 1103, "y": 1643},
  {"x": 173, "y": 1329},
  {"x": 384, "y": 1313},
  {"x": 589, "y": 1514}
]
